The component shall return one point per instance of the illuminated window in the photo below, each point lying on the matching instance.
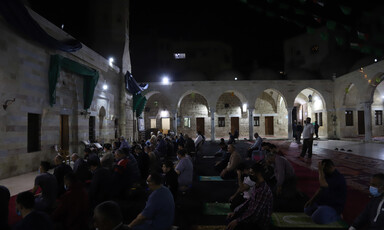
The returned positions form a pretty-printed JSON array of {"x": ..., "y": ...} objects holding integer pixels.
[
  {"x": 187, "y": 122},
  {"x": 179, "y": 55},
  {"x": 153, "y": 123},
  {"x": 256, "y": 121},
  {"x": 221, "y": 121}
]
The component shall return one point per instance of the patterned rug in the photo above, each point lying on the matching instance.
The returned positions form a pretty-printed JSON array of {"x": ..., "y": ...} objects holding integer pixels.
[
  {"x": 357, "y": 170},
  {"x": 300, "y": 221},
  {"x": 216, "y": 209}
]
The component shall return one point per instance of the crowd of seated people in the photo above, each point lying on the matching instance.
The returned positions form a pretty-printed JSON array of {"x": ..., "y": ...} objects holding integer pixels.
[{"x": 96, "y": 192}]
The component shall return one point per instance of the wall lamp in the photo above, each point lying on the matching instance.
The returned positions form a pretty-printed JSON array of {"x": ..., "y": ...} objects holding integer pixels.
[{"x": 8, "y": 102}]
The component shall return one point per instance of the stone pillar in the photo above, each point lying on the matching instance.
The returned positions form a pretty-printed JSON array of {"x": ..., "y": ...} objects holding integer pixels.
[
  {"x": 175, "y": 121},
  {"x": 250, "y": 123},
  {"x": 368, "y": 121},
  {"x": 212, "y": 124},
  {"x": 290, "y": 131}
]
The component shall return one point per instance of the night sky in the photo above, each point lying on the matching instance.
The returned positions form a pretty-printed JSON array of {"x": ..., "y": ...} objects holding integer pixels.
[{"x": 255, "y": 29}]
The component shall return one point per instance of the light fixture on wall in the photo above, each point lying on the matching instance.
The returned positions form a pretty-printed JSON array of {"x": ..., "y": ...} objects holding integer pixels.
[
  {"x": 111, "y": 60},
  {"x": 309, "y": 98},
  {"x": 105, "y": 86},
  {"x": 245, "y": 107},
  {"x": 8, "y": 102},
  {"x": 85, "y": 113}
]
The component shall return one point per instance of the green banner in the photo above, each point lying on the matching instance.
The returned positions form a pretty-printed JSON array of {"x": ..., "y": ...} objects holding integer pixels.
[{"x": 90, "y": 75}]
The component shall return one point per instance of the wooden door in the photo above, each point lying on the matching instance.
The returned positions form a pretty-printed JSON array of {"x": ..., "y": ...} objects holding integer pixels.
[
  {"x": 64, "y": 132},
  {"x": 269, "y": 126},
  {"x": 200, "y": 125},
  {"x": 234, "y": 125},
  {"x": 360, "y": 122}
]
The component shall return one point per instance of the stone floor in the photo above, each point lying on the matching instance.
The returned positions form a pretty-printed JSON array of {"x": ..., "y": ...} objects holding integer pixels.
[{"x": 371, "y": 150}]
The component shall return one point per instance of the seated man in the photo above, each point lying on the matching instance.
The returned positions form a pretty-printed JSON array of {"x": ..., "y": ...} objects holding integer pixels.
[
  {"x": 328, "y": 202},
  {"x": 245, "y": 184},
  {"x": 72, "y": 208},
  {"x": 48, "y": 184},
  {"x": 254, "y": 151},
  {"x": 184, "y": 169},
  {"x": 372, "y": 218},
  {"x": 234, "y": 160},
  {"x": 107, "y": 215},
  {"x": 32, "y": 219},
  {"x": 170, "y": 178},
  {"x": 159, "y": 211},
  {"x": 254, "y": 213},
  {"x": 101, "y": 186},
  {"x": 80, "y": 168},
  {"x": 223, "y": 151},
  {"x": 61, "y": 169},
  {"x": 284, "y": 174}
]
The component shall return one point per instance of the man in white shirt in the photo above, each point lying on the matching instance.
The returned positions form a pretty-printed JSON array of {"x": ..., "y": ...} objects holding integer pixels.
[
  {"x": 255, "y": 149},
  {"x": 308, "y": 132},
  {"x": 198, "y": 141}
]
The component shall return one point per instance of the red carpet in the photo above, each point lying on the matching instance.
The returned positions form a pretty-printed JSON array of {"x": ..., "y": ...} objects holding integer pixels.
[
  {"x": 308, "y": 182},
  {"x": 13, "y": 217}
]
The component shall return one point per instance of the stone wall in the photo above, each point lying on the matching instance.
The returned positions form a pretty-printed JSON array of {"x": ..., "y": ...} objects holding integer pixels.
[{"x": 24, "y": 68}]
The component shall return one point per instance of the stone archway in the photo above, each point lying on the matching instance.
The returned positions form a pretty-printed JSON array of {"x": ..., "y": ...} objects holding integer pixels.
[
  {"x": 157, "y": 113},
  {"x": 377, "y": 110},
  {"x": 310, "y": 103},
  {"x": 270, "y": 116},
  {"x": 193, "y": 114}
]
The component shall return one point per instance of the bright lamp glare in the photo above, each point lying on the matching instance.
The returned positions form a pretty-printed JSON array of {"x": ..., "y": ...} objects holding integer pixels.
[
  {"x": 165, "y": 80},
  {"x": 163, "y": 113},
  {"x": 375, "y": 60},
  {"x": 245, "y": 107},
  {"x": 235, "y": 78},
  {"x": 105, "y": 87},
  {"x": 111, "y": 60}
]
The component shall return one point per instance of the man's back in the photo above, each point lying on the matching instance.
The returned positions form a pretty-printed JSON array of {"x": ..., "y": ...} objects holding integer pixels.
[
  {"x": 160, "y": 209},
  {"x": 35, "y": 221},
  {"x": 101, "y": 186},
  {"x": 60, "y": 171},
  {"x": 335, "y": 194},
  {"x": 48, "y": 185},
  {"x": 185, "y": 167}
]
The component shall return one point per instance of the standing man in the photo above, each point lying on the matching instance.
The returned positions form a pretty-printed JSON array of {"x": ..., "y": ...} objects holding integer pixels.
[
  {"x": 317, "y": 130},
  {"x": 185, "y": 171},
  {"x": 307, "y": 140},
  {"x": 48, "y": 184}
]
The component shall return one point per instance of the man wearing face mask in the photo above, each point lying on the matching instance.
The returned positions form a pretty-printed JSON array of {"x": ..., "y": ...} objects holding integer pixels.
[
  {"x": 372, "y": 218},
  {"x": 255, "y": 212},
  {"x": 328, "y": 202},
  {"x": 32, "y": 220},
  {"x": 72, "y": 209}
]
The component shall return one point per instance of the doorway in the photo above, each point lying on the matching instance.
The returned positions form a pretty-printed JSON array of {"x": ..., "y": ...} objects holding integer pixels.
[
  {"x": 234, "y": 125},
  {"x": 165, "y": 125},
  {"x": 269, "y": 126},
  {"x": 64, "y": 132},
  {"x": 92, "y": 122},
  {"x": 360, "y": 122},
  {"x": 200, "y": 125}
]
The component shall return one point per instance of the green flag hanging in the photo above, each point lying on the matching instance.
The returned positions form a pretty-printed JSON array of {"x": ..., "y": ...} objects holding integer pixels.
[
  {"x": 90, "y": 78},
  {"x": 139, "y": 102}
]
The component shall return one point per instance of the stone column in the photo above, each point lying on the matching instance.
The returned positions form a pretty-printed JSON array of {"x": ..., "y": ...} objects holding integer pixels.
[
  {"x": 212, "y": 124},
  {"x": 290, "y": 131},
  {"x": 368, "y": 121},
  {"x": 175, "y": 121},
  {"x": 250, "y": 122}
]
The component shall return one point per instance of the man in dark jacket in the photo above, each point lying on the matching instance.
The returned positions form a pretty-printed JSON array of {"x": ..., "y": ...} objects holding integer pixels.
[
  {"x": 372, "y": 218},
  {"x": 59, "y": 172}
]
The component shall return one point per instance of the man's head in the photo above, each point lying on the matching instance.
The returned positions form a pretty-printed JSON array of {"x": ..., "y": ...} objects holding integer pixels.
[
  {"x": 74, "y": 157},
  {"x": 231, "y": 148},
  {"x": 154, "y": 181},
  {"x": 329, "y": 166},
  {"x": 256, "y": 135},
  {"x": 138, "y": 149},
  {"x": 122, "y": 138},
  {"x": 180, "y": 146},
  {"x": 87, "y": 151},
  {"x": 119, "y": 154},
  {"x": 308, "y": 120},
  {"x": 58, "y": 160},
  {"x": 270, "y": 157},
  {"x": 244, "y": 168},
  {"x": 69, "y": 180},
  {"x": 181, "y": 153},
  {"x": 107, "y": 147},
  {"x": 44, "y": 166},
  {"x": 256, "y": 173},
  {"x": 377, "y": 184},
  {"x": 25, "y": 202},
  {"x": 167, "y": 166},
  {"x": 93, "y": 163},
  {"x": 107, "y": 215}
]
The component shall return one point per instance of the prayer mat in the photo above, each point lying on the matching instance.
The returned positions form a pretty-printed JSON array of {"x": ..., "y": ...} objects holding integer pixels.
[
  {"x": 210, "y": 178},
  {"x": 216, "y": 209},
  {"x": 208, "y": 157},
  {"x": 211, "y": 227},
  {"x": 298, "y": 220}
]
